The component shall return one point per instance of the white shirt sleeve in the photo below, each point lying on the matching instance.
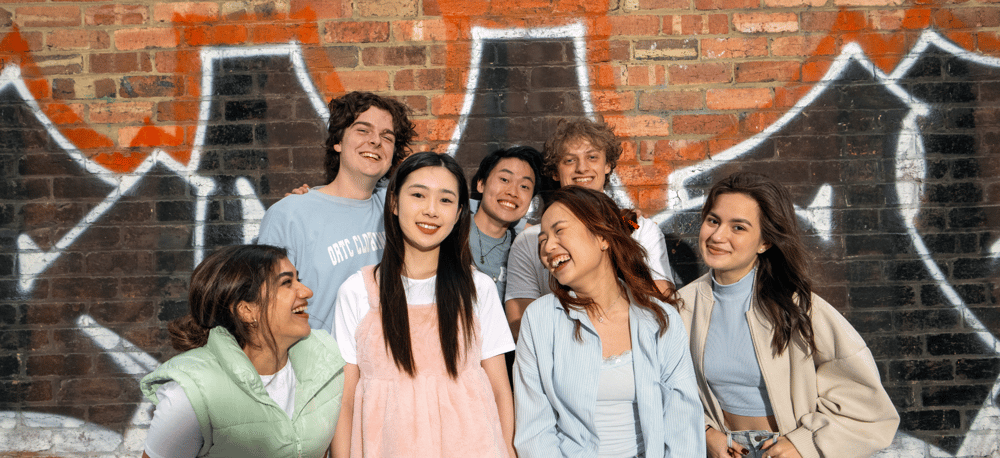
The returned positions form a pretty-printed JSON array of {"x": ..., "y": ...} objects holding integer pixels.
[
  {"x": 651, "y": 238},
  {"x": 174, "y": 431},
  {"x": 497, "y": 339},
  {"x": 351, "y": 306}
]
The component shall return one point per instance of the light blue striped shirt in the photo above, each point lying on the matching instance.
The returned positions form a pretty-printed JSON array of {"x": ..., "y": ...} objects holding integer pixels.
[{"x": 556, "y": 380}]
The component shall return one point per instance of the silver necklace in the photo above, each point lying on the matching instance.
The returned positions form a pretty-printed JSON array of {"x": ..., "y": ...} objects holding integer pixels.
[{"x": 482, "y": 256}]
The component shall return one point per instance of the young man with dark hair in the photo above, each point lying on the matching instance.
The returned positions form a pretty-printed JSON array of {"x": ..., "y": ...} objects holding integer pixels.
[
  {"x": 579, "y": 153},
  {"x": 333, "y": 231},
  {"x": 505, "y": 183}
]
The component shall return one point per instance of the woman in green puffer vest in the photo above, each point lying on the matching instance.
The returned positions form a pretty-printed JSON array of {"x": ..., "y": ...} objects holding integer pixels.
[{"x": 254, "y": 380}]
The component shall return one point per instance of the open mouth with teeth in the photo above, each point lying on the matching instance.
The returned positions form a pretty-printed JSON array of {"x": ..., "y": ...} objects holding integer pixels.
[
  {"x": 300, "y": 310},
  {"x": 427, "y": 228},
  {"x": 507, "y": 204},
  {"x": 557, "y": 262},
  {"x": 372, "y": 156}
]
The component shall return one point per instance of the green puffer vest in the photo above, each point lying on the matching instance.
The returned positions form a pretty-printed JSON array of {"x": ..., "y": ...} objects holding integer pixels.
[{"x": 236, "y": 415}]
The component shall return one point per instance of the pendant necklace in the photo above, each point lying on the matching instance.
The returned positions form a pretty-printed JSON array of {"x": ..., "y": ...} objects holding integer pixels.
[{"x": 482, "y": 256}]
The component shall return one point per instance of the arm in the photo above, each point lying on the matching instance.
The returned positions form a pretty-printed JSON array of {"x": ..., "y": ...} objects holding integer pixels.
[
  {"x": 651, "y": 238},
  {"x": 514, "y": 308},
  {"x": 535, "y": 434},
  {"x": 851, "y": 406},
  {"x": 342, "y": 436},
  {"x": 522, "y": 278},
  {"x": 496, "y": 371},
  {"x": 683, "y": 416},
  {"x": 174, "y": 430}
]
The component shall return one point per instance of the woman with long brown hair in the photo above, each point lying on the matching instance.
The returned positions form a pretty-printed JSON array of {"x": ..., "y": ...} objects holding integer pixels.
[
  {"x": 254, "y": 380},
  {"x": 602, "y": 365},
  {"x": 780, "y": 372}
]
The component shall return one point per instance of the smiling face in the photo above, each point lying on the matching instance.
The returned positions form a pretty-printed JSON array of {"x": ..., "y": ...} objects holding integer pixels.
[
  {"x": 287, "y": 317},
  {"x": 730, "y": 238},
  {"x": 367, "y": 146},
  {"x": 582, "y": 164},
  {"x": 507, "y": 190},
  {"x": 573, "y": 254},
  {"x": 427, "y": 208}
]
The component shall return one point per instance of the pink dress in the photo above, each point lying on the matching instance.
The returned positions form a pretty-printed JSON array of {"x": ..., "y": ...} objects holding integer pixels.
[{"x": 429, "y": 414}]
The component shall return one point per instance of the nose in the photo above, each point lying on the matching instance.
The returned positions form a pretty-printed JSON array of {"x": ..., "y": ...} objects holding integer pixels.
[
  {"x": 431, "y": 208},
  {"x": 305, "y": 292},
  {"x": 718, "y": 234},
  {"x": 375, "y": 139}
]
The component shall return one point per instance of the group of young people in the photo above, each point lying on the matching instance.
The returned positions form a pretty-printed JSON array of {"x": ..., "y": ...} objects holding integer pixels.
[{"x": 423, "y": 299}]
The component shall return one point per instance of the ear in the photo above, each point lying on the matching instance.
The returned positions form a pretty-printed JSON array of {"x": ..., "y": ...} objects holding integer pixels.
[
  {"x": 393, "y": 202},
  {"x": 246, "y": 312},
  {"x": 479, "y": 186},
  {"x": 607, "y": 167},
  {"x": 338, "y": 148},
  {"x": 764, "y": 247},
  {"x": 555, "y": 177}
]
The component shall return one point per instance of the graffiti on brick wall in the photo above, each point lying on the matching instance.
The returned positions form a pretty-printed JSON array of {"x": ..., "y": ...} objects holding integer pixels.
[{"x": 890, "y": 169}]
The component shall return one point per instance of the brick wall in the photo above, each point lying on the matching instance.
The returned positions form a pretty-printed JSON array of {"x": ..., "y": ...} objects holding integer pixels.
[{"x": 136, "y": 136}]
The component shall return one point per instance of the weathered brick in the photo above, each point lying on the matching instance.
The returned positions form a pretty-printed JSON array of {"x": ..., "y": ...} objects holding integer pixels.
[
  {"x": 766, "y": 22},
  {"x": 695, "y": 24},
  {"x": 726, "y": 4},
  {"x": 115, "y": 113},
  {"x": 703, "y": 124},
  {"x": 662, "y": 4},
  {"x": 63, "y": 88},
  {"x": 736, "y": 99},
  {"x": 639, "y": 125},
  {"x": 185, "y": 12},
  {"x": 419, "y": 30},
  {"x": 793, "y": 3},
  {"x": 327, "y": 9},
  {"x": 634, "y": 25},
  {"x": 671, "y": 101},
  {"x": 666, "y": 49},
  {"x": 768, "y": 71},
  {"x": 131, "y": 39},
  {"x": 645, "y": 75},
  {"x": 700, "y": 73},
  {"x": 388, "y": 8},
  {"x": 151, "y": 86},
  {"x": 48, "y": 16},
  {"x": 116, "y": 14},
  {"x": 394, "y": 56},
  {"x": 729, "y": 48},
  {"x": 373, "y": 81},
  {"x": 419, "y": 79},
  {"x": 356, "y": 32},
  {"x": 612, "y": 101},
  {"x": 225, "y": 34},
  {"x": 78, "y": 39}
]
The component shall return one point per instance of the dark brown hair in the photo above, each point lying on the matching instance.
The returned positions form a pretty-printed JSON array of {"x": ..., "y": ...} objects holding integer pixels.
[
  {"x": 219, "y": 284},
  {"x": 628, "y": 258},
  {"x": 782, "y": 289},
  {"x": 597, "y": 133},
  {"x": 345, "y": 110},
  {"x": 455, "y": 291}
]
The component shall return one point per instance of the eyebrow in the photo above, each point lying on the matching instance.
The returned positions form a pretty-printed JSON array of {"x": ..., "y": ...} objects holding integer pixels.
[
  {"x": 286, "y": 274},
  {"x": 532, "y": 179},
  {"x": 421, "y": 186},
  {"x": 551, "y": 226},
  {"x": 372, "y": 126},
  {"x": 733, "y": 220}
]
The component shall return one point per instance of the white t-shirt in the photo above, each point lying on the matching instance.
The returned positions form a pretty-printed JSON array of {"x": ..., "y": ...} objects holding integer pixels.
[
  {"x": 527, "y": 278},
  {"x": 174, "y": 431},
  {"x": 352, "y": 306}
]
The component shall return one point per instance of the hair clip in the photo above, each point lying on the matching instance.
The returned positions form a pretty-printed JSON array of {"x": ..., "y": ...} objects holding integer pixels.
[{"x": 635, "y": 226}]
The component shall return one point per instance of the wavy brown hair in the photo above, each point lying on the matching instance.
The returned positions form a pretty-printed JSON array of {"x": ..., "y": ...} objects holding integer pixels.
[
  {"x": 345, "y": 110},
  {"x": 455, "y": 292},
  {"x": 782, "y": 289},
  {"x": 599, "y": 134},
  {"x": 604, "y": 219},
  {"x": 227, "y": 277}
]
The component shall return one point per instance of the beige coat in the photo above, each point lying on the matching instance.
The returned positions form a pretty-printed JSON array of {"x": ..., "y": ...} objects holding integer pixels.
[{"x": 828, "y": 404}]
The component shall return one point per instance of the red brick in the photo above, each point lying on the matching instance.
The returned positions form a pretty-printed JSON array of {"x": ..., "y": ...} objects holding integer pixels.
[
  {"x": 435, "y": 129},
  {"x": 168, "y": 136},
  {"x": 78, "y": 39},
  {"x": 765, "y": 23},
  {"x": 48, "y": 16},
  {"x": 727, "y": 4},
  {"x": 396, "y": 56},
  {"x": 117, "y": 113},
  {"x": 760, "y": 72},
  {"x": 420, "y": 30},
  {"x": 114, "y": 63},
  {"x": 634, "y": 25},
  {"x": 819, "y": 21},
  {"x": 793, "y": 3},
  {"x": 116, "y": 15},
  {"x": 176, "y": 111},
  {"x": 417, "y": 103},
  {"x": 639, "y": 125},
  {"x": 958, "y": 18},
  {"x": 843, "y": 3},
  {"x": 419, "y": 79},
  {"x": 327, "y": 9},
  {"x": 695, "y": 24},
  {"x": 185, "y": 12},
  {"x": 446, "y": 104},
  {"x": 105, "y": 88},
  {"x": 386, "y": 8},
  {"x": 59, "y": 64},
  {"x": 671, "y": 101},
  {"x": 644, "y": 175},
  {"x": 678, "y": 150},
  {"x": 645, "y": 75},
  {"x": 63, "y": 88},
  {"x": 700, "y": 73},
  {"x": 730, "y": 48},
  {"x": 664, "y": 4},
  {"x": 756, "y": 122},
  {"x": 208, "y": 35},
  {"x": 803, "y": 46},
  {"x": 356, "y": 32},
  {"x": 373, "y": 81},
  {"x": 283, "y": 33},
  {"x": 129, "y": 39},
  {"x": 151, "y": 86},
  {"x": 703, "y": 124},
  {"x": 613, "y": 101},
  {"x": 666, "y": 49},
  {"x": 738, "y": 98}
]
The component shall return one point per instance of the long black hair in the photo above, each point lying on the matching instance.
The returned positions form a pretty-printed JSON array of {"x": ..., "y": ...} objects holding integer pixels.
[
  {"x": 782, "y": 288},
  {"x": 455, "y": 291}
]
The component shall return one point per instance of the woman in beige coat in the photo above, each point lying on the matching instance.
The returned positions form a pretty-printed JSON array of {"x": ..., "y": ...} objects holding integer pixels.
[{"x": 780, "y": 372}]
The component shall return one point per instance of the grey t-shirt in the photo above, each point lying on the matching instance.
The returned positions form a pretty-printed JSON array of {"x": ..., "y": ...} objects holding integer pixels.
[
  {"x": 490, "y": 255},
  {"x": 328, "y": 239}
]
